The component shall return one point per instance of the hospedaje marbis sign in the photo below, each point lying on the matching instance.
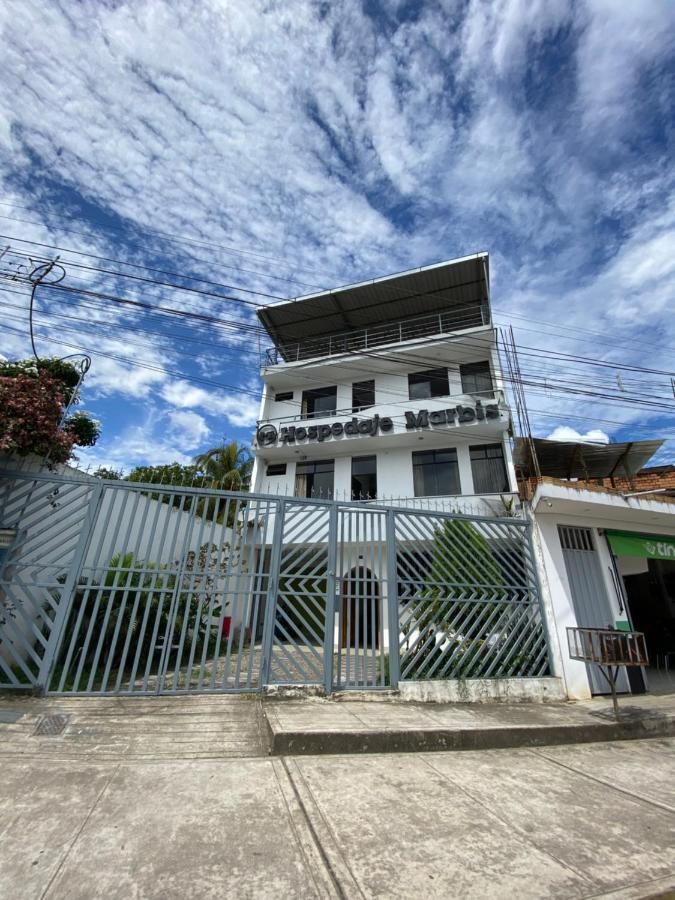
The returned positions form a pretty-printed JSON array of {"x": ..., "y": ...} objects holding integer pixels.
[
  {"x": 268, "y": 435},
  {"x": 649, "y": 546}
]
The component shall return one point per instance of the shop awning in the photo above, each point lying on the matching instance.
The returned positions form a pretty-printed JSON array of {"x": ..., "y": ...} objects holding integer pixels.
[{"x": 651, "y": 546}]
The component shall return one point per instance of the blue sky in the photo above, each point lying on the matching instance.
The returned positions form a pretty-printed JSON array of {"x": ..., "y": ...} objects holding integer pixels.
[{"x": 283, "y": 147}]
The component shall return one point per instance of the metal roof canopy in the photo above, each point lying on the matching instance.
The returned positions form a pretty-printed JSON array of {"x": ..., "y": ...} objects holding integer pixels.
[
  {"x": 570, "y": 459},
  {"x": 440, "y": 287}
]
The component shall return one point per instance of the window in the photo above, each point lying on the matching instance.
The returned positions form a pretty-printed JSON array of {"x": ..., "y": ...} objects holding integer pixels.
[
  {"x": 286, "y": 395},
  {"x": 476, "y": 378},
  {"x": 435, "y": 472},
  {"x": 314, "y": 479},
  {"x": 276, "y": 469},
  {"x": 431, "y": 383},
  {"x": 489, "y": 469},
  {"x": 319, "y": 402},
  {"x": 363, "y": 395},
  {"x": 364, "y": 478}
]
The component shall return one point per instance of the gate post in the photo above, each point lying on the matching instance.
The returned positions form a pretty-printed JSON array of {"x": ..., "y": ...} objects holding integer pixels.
[
  {"x": 272, "y": 588},
  {"x": 68, "y": 590},
  {"x": 392, "y": 601},
  {"x": 329, "y": 632}
]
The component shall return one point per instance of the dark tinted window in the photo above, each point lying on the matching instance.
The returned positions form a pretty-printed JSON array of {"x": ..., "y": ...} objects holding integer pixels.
[
  {"x": 431, "y": 383},
  {"x": 435, "y": 472},
  {"x": 276, "y": 469},
  {"x": 319, "y": 402},
  {"x": 314, "y": 479},
  {"x": 363, "y": 395},
  {"x": 489, "y": 469},
  {"x": 476, "y": 378},
  {"x": 287, "y": 395},
  {"x": 364, "y": 478}
]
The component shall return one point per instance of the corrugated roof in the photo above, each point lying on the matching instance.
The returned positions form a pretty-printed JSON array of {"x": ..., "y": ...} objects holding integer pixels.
[
  {"x": 568, "y": 459},
  {"x": 456, "y": 283}
]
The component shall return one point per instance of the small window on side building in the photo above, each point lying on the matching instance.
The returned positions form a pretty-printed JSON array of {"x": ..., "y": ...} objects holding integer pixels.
[
  {"x": 489, "y": 469},
  {"x": 276, "y": 469},
  {"x": 430, "y": 383},
  {"x": 319, "y": 402},
  {"x": 364, "y": 478},
  {"x": 476, "y": 378},
  {"x": 435, "y": 473},
  {"x": 285, "y": 395},
  {"x": 363, "y": 395},
  {"x": 315, "y": 479}
]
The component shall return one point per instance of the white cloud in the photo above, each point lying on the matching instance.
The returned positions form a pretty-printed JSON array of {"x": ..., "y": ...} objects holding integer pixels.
[
  {"x": 238, "y": 409},
  {"x": 565, "y": 433},
  {"x": 189, "y": 428}
]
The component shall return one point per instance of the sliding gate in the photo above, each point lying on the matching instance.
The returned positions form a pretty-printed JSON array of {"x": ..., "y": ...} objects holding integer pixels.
[{"x": 120, "y": 588}]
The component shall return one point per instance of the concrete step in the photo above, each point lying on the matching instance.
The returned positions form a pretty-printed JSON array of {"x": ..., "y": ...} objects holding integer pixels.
[{"x": 321, "y": 726}]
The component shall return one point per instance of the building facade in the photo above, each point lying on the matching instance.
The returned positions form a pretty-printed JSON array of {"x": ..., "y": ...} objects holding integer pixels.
[{"x": 389, "y": 390}]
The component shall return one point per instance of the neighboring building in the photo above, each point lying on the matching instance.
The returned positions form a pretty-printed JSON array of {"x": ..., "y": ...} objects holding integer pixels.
[
  {"x": 607, "y": 556},
  {"x": 388, "y": 390},
  {"x": 655, "y": 479}
]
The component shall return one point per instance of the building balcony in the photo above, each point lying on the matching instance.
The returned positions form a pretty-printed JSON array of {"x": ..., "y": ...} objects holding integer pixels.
[
  {"x": 459, "y": 318},
  {"x": 400, "y": 423}
]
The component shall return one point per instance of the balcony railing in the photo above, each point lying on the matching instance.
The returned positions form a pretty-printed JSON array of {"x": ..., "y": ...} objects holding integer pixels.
[
  {"x": 457, "y": 319},
  {"x": 495, "y": 395}
]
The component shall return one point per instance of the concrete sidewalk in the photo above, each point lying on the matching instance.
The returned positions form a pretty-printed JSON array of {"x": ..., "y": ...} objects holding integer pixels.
[
  {"x": 569, "y": 822},
  {"x": 315, "y": 725}
]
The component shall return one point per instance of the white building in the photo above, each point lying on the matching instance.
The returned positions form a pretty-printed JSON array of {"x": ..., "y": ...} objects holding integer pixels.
[
  {"x": 606, "y": 557},
  {"x": 389, "y": 389}
]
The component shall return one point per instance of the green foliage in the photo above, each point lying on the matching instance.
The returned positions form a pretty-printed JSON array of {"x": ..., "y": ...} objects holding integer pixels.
[
  {"x": 228, "y": 466},
  {"x": 169, "y": 473},
  {"x": 461, "y": 561},
  {"x": 108, "y": 474},
  {"x": 34, "y": 397},
  {"x": 62, "y": 371},
  {"x": 133, "y": 590},
  {"x": 84, "y": 429}
]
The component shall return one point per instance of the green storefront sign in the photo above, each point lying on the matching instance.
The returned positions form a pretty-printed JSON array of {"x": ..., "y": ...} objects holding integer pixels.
[{"x": 652, "y": 546}]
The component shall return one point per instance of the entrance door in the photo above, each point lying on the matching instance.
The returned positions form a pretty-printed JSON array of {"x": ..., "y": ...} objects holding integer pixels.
[
  {"x": 589, "y": 595},
  {"x": 360, "y": 610}
]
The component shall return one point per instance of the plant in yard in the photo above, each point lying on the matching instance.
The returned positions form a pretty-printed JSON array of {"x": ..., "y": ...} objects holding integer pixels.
[
  {"x": 228, "y": 466},
  {"x": 34, "y": 398},
  {"x": 455, "y": 628}
]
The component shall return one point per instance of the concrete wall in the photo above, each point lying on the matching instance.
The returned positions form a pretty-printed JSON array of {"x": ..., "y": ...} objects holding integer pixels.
[{"x": 557, "y": 592}]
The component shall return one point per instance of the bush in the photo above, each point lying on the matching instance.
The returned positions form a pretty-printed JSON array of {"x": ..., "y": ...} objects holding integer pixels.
[{"x": 34, "y": 395}]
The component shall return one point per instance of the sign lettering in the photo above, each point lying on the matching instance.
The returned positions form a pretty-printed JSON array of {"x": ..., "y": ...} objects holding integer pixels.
[{"x": 268, "y": 435}]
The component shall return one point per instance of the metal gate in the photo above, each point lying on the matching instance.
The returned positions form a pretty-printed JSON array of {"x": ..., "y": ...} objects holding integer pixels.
[
  {"x": 589, "y": 595},
  {"x": 122, "y": 588}
]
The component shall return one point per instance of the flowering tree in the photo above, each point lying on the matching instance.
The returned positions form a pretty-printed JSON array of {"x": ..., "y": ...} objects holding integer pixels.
[{"x": 34, "y": 397}]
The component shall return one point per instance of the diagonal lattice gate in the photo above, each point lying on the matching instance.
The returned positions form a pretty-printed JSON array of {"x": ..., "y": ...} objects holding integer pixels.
[{"x": 119, "y": 588}]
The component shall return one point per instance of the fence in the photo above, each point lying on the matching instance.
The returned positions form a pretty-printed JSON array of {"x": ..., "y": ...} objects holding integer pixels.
[{"x": 121, "y": 588}]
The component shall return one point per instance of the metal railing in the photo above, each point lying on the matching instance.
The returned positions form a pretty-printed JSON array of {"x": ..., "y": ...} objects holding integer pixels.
[
  {"x": 355, "y": 341},
  {"x": 364, "y": 412}
]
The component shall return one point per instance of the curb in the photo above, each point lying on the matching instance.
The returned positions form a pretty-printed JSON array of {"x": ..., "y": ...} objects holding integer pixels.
[{"x": 305, "y": 743}]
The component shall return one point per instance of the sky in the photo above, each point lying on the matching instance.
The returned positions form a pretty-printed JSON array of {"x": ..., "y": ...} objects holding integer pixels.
[{"x": 268, "y": 150}]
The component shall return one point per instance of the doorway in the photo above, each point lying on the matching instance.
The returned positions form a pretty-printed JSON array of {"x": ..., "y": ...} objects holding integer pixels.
[
  {"x": 650, "y": 595},
  {"x": 360, "y": 619},
  {"x": 591, "y": 604}
]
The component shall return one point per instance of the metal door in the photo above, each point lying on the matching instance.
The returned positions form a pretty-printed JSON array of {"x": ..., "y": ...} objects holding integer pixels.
[
  {"x": 299, "y": 645},
  {"x": 589, "y": 594}
]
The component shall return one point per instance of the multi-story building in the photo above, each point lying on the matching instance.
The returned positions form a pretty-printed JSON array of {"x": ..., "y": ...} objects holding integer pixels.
[{"x": 388, "y": 390}]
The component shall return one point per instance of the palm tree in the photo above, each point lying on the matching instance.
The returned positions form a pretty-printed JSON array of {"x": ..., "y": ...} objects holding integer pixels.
[{"x": 229, "y": 466}]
